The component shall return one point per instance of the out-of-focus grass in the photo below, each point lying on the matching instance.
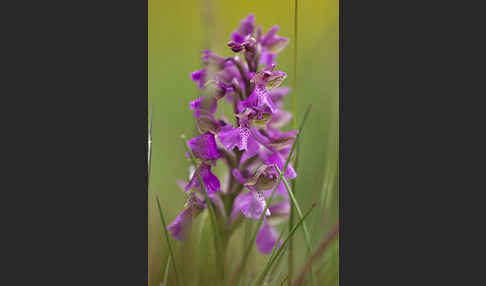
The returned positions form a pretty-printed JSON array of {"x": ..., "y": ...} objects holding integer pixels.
[{"x": 178, "y": 31}]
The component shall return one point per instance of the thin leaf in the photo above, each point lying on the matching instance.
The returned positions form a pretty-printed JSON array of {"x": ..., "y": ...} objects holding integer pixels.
[
  {"x": 166, "y": 274},
  {"x": 297, "y": 207},
  {"x": 241, "y": 268},
  {"x": 290, "y": 256},
  {"x": 164, "y": 227},
  {"x": 149, "y": 157},
  {"x": 275, "y": 246},
  {"x": 283, "y": 281},
  {"x": 276, "y": 265},
  {"x": 281, "y": 249}
]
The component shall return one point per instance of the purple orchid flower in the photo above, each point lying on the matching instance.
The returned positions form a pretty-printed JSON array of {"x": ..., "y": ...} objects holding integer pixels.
[
  {"x": 260, "y": 99},
  {"x": 251, "y": 145}
]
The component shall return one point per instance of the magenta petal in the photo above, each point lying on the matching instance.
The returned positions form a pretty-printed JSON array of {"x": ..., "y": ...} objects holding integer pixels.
[
  {"x": 210, "y": 57},
  {"x": 247, "y": 25},
  {"x": 277, "y": 159},
  {"x": 259, "y": 99},
  {"x": 199, "y": 76},
  {"x": 282, "y": 208},
  {"x": 239, "y": 201},
  {"x": 280, "y": 119},
  {"x": 204, "y": 147},
  {"x": 252, "y": 147},
  {"x": 278, "y": 94},
  {"x": 231, "y": 137},
  {"x": 211, "y": 182},
  {"x": 269, "y": 35},
  {"x": 237, "y": 38},
  {"x": 251, "y": 101},
  {"x": 267, "y": 101},
  {"x": 267, "y": 58},
  {"x": 180, "y": 224},
  {"x": 266, "y": 238},
  {"x": 253, "y": 204},
  {"x": 237, "y": 174}
]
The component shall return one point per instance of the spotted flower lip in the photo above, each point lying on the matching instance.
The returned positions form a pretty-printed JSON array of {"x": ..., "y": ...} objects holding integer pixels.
[
  {"x": 250, "y": 205},
  {"x": 238, "y": 137}
]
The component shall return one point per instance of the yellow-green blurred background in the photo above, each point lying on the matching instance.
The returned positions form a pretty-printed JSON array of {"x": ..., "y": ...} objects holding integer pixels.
[{"x": 177, "y": 32}]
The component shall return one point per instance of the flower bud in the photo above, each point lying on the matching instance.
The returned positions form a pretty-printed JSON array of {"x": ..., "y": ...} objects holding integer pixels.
[{"x": 235, "y": 47}]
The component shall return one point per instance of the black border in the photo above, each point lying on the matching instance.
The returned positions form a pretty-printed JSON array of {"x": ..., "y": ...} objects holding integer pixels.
[{"x": 79, "y": 169}]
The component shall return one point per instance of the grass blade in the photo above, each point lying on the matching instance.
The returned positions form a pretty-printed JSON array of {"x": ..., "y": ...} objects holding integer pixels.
[
  {"x": 317, "y": 253},
  {"x": 285, "y": 279},
  {"x": 275, "y": 246},
  {"x": 281, "y": 248},
  {"x": 149, "y": 157},
  {"x": 276, "y": 265},
  {"x": 290, "y": 262},
  {"x": 297, "y": 207},
  {"x": 164, "y": 226},
  {"x": 236, "y": 275},
  {"x": 166, "y": 274},
  {"x": 217, "y": 235},
  {"x": 150, "y": 140}
]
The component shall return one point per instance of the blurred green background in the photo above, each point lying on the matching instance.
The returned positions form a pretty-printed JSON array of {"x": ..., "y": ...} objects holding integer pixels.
[{"x": 177, "y": 32}]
